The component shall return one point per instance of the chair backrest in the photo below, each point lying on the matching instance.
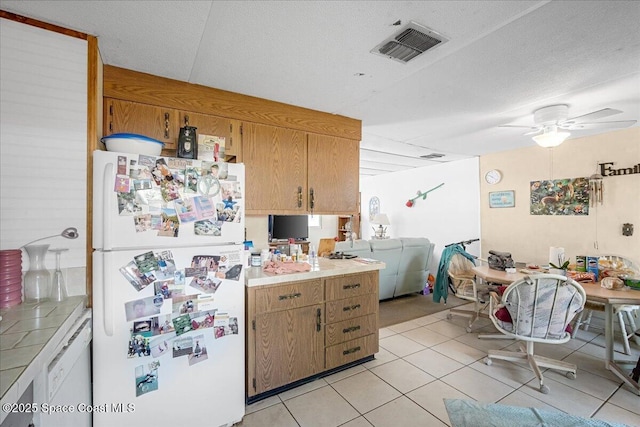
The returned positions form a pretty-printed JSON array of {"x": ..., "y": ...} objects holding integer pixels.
[
  {"x": 459, "y": 265},
  {"x": 542, "y": 305}
]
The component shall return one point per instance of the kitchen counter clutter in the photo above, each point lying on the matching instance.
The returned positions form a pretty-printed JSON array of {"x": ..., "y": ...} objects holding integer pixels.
[
  {"x": 30, "y": 336},
  {"x": 255, "y": 276},
  {"x": 305, "y": 325}
]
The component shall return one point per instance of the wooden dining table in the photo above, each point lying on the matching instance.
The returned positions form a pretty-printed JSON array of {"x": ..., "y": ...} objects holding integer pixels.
[{"x": 594, "y": 292}]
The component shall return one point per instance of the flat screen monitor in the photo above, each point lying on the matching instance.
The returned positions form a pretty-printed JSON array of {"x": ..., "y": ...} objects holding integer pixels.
[{"x": 289, "y": 226}]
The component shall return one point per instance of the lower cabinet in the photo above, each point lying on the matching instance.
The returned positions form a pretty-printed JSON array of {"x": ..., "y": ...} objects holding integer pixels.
[{"x": 298, "y": 330}]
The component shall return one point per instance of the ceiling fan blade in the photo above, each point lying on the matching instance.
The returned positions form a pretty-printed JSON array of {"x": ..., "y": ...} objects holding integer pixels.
[
  {"x": 594, "y": 115},
  {"x": 517, "y": 126},
  {"x": 603, "y": 125},
  {"x": 532, "y": 132}
]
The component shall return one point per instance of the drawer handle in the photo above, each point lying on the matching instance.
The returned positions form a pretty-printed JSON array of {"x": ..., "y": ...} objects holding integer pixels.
[
  {"x": 351, "y": 329},
  {"x": 318, "y": 320},
  {"x": 290, "y": 296},
  {"x": 351, "y": 350},
  {"x": 352, "y": 307},
  {"x": 354, "y": 286}
]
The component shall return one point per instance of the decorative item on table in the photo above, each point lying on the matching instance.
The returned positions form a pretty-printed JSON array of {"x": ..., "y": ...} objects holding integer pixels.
[
  {"x": 187, "y": 141},
  {"x": 133, "y": 143},
  {"x": 37, "y": 280},
  {"x": 381, "y": 219},
  {"x": 559, "y": 268},
  {"x": 412, "y": 202},
  {"x": 10, "y": 277}
]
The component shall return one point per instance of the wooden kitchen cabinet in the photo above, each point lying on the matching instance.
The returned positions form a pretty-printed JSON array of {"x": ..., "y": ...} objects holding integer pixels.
[
  {"x": 275, "y": 169},
  {"x": 293, "y": 172},
  {"x": 351, "y": 314},
  {"x": 132, "y": 117},
  {"x": 333, "y": 174},
  {"x": 216, "y": 126},
  {"x": 303, "y": 329},
  {"x": 285, "y": 340}
]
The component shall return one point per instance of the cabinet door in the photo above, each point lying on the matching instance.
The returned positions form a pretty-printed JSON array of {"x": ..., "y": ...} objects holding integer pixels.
[
  {"x": 333, "y": 174},
  {"x": 289, "y": 346},
  {"x": 149, "y": 120},
  {"x": 276, "y": 164},
  {"x": 217, "y": 126}
]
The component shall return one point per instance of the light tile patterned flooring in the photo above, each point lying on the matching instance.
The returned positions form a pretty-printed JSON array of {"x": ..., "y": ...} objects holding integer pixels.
[{"x": 427, "y": 359}]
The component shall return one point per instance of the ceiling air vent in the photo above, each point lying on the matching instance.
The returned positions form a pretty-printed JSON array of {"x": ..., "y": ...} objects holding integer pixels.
[
  {"x": 409, "y": 42},
  {"x": 432, "y": 156}
]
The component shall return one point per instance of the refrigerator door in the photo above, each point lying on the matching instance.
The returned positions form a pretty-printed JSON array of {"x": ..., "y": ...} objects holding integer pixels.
[
  {"x": 179, "y": 360},
  {"x": 144, "y": 201}
]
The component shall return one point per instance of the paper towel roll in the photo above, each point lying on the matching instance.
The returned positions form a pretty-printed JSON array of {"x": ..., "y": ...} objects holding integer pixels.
[{"x": 556, "y": 255}]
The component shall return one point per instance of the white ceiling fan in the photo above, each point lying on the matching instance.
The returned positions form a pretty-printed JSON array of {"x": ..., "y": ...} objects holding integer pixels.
[{"x": 549, "y": 121}]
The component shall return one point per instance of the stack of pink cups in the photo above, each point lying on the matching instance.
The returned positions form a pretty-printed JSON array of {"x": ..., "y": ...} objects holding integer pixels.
[{"x": 10, "y": 277}]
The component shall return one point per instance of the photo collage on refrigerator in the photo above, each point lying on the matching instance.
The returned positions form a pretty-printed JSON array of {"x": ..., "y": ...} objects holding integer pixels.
[
  {"x": 195, "y": 315},
  {"x": 162, "y": 195}
]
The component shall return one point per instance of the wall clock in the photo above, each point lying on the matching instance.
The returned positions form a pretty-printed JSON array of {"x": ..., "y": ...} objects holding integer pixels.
[
  {"x": 493, "y": 176},
  {"x": 374, "y": 207}
]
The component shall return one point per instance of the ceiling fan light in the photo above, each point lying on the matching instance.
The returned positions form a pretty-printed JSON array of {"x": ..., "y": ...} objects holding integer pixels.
[{"x": 551, "y": 139}]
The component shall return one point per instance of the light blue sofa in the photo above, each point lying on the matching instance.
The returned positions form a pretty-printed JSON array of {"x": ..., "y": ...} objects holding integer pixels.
[{"x": 406, "y": 258}]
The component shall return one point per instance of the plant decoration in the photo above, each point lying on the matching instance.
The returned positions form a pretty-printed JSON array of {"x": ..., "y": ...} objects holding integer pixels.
[
  {"x": 563, "y": 266},
  {"x": 411, "y": 202}
]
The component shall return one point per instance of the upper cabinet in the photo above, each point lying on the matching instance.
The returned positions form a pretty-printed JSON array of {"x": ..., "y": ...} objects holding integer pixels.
[
  {"x": 292, "y": 172},
  {"x": 333, "y": 174},
  {"x": 149, "y": 120},
  {"x": 297, "y": 160},
  {"x": 275, "y": 162}
]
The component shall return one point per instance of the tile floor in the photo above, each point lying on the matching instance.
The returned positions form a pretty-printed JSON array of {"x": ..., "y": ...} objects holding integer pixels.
[{"x": 427, "y": 359}]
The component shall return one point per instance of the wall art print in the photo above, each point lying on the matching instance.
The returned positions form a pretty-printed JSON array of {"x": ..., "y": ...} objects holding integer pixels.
[{"x": 568, "y": 196}]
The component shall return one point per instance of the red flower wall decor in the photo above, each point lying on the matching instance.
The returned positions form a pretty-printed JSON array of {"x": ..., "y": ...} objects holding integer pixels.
[{"x": 412, "y": 202}]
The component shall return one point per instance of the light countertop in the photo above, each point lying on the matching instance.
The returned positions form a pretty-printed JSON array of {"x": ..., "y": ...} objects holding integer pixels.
[
  {"x": 255, "y": 276},
  {"x": 30, "y": 336}
]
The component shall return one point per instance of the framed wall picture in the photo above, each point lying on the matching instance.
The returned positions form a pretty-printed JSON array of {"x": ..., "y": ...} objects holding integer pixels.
[{"x": 502, "y": 199}]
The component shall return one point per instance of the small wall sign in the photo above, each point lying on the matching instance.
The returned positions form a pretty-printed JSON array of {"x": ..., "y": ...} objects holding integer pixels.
[{"x": 502, "y": 199}]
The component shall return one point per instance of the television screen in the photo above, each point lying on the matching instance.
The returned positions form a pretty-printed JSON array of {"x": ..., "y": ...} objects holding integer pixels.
[{"x": 288, "y": 226}]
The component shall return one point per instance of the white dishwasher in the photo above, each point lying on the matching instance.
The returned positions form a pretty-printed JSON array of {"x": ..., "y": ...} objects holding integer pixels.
[{"x": 66, "y": 382}]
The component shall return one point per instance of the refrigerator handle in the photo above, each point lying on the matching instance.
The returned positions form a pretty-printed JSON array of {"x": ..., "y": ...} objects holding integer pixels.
[
  {"x": 108, "y": 181},
  {"x": 107, "y": 305}
]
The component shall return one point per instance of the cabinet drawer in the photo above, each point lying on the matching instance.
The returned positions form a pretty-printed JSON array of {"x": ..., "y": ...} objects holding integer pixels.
[
  {"x": 350, "y": 308},
  {"x": 292, "y": 295},
  {"x": 340, "y": 354},
  {"x": 336, "y": 333},
  {"x": 351, "y": 285}
]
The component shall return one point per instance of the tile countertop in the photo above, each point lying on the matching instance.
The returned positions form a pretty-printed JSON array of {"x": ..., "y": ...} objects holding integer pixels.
[
  {"x": 255, "y": 276},
  {"x": 30, "y": 336}
]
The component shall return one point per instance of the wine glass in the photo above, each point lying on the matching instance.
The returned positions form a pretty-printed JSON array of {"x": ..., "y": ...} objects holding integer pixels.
[{"x": 58, "y": 290}]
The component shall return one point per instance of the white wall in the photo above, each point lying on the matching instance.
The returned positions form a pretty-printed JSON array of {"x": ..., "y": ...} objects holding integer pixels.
[
  {"x": 449, "y": 214},
  {"x": 528, "y": 237},
  {"x": 43, "y": 143}
]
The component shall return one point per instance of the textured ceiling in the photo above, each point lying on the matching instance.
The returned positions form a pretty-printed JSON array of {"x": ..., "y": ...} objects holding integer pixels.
[{"x": 503, "y": 60}]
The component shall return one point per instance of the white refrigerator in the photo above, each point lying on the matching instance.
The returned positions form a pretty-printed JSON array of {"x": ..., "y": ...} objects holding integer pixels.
[{"x": 168, "y": 291}]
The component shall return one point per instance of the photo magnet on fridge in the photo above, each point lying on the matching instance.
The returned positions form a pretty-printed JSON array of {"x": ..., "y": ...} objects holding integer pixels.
[
  {"x": 141, "y": 308},
  {"x": 146, "y": 378},
  {"x": 199, "y": 352}
]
